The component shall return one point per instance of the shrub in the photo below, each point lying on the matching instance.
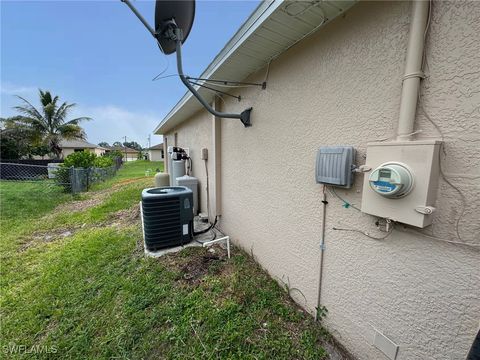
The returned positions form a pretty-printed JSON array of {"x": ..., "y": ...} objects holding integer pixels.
[
  {"x": 103, "y": 162},
  {"x": 113, "y": 154},
  {"x": 80, "y": 159}
]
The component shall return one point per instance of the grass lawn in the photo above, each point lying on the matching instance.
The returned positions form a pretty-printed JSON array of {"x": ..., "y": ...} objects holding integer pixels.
[
  {"x": 134, "y": 170},
  {"x": 75, "y": 284}
]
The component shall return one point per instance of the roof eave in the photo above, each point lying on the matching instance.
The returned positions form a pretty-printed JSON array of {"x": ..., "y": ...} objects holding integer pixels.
[{"x": 252, "y": 27}]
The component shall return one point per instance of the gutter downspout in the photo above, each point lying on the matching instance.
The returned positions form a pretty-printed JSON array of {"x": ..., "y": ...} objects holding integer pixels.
[
  {"x": 322, "y": 250},
  {"x": 413, "y": 69}
]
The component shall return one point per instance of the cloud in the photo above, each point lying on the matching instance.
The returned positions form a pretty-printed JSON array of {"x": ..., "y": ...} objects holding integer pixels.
[
  {"x": 9, "y": 88},
  {"x": 111, "y": 123}
]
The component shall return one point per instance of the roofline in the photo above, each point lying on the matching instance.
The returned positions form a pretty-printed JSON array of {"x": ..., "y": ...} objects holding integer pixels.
[
  {"x": 87, "y": 145},
  {"x": 254, "y": 21},
  {"x": 156, "y": 147}
]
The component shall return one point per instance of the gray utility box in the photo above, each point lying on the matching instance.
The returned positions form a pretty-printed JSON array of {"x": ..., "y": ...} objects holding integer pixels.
[
  {"x": 334, "y": 166},
  {"x": 191, "y": 183},
  {"x": 52, "y": 169},
  {"x": 167, "y": 217}
]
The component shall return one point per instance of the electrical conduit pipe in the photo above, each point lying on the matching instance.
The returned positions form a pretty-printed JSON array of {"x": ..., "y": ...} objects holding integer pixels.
[{"x": 413, "y": 69}]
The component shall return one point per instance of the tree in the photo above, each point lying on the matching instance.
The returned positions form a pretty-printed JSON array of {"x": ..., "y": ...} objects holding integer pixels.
[
  {"x": 15, "y": 141},
  {"x": 133, "y": 145},
  {"x": 104, "y": 144},
  {"x": 40, "y": 150},
  {"x": 49, "y": 124},
  {"x": 118, "y": 144}
]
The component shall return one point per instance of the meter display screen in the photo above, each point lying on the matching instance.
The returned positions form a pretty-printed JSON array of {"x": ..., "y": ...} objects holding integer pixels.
[
  {"x": 384, "y": 174},
  {"x": 391, "y": 180}
]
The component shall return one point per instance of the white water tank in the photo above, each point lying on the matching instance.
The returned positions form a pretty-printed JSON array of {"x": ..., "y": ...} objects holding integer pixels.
[
  {"x": 162, "y": 179},
  {"x": 191, "y": 183},
  {"x": 170, "y": 164},
  {"x": 178, "y": 170}
]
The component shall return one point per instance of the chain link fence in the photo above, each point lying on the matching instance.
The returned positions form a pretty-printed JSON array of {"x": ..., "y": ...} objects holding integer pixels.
[{"x": 53, "y": 176}]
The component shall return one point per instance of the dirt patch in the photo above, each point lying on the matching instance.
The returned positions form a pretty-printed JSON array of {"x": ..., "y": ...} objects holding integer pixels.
[
  {"x": 122, "y": 218},
  {"x": 128, "y": 181},
  {"x": 192, "y": 264},
  {"x": 126, "y": 217},
  {"x": 47, "y": 236},
  {"x": 195, "y": 270},
  {"x": 93, "y": 200}
]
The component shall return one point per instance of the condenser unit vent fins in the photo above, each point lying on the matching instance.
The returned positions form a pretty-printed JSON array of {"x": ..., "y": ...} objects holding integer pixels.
[
  {"x": 167, "y": 216},
  {"x": 334, "y": 165}
]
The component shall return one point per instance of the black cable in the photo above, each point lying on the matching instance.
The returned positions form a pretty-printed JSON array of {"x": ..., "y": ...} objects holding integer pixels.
[
  {"x": 213, "y": 238},
  {"x": 215, "y": 90},
  {"x": 224, "y": 82},
  {"x": 203, "y": 231}
]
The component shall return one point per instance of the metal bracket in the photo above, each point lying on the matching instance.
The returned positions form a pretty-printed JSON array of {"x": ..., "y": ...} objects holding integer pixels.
[{"x": 171, "y": 31}]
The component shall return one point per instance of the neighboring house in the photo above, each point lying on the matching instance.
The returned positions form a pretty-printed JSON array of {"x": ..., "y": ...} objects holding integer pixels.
[
  {"x": 334, "y": 73},
  {"x": 71, "y": 146},
  {"x": 129, "y": 154},
  {"x": 156, "y": 153}
]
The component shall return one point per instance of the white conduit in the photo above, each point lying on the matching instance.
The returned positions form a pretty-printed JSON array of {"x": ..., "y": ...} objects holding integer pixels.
[
  {"x": 225, "y": 238},
  {"x": 413, "y": 69}
]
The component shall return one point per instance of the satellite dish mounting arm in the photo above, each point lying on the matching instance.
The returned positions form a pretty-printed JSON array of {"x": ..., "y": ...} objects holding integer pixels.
[
  {"x": 172, "y": 31},
  {"x": 244, "y": 116},
  {"x": 140, "y": 17}
]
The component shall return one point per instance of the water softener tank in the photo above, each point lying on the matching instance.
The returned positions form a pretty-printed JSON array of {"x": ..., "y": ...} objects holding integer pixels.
[
  {"x": 191, "y": 183},
  {"x": 162, "y": 179},
  {"x": 170, "y": 164},
  {"x": 178, "y": 170}
]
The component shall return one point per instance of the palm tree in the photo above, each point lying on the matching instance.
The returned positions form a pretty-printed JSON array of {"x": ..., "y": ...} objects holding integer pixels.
[{"x": 49, "y": 124}]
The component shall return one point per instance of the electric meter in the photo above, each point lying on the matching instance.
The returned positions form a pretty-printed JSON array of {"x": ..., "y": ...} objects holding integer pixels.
[{"x": 392, "y": 180}]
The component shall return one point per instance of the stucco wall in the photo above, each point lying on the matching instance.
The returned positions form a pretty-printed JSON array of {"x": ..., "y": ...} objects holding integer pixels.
[
  {"x": 155, "y": 155},
  {"x": 342, "y": 86},
  {"x": 68, "y": 151},
  {"x": 195, "y": 134},
  {"x": 99, "y": 151}
]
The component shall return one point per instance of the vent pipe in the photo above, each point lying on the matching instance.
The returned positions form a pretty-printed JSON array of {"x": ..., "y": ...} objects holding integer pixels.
[{"x": 413, "y": 69}]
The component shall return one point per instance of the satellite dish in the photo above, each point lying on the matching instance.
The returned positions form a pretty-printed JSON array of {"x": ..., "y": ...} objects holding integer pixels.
[
  {"x": 173, "y": 22},
  {"x": 182, "y": 12}
]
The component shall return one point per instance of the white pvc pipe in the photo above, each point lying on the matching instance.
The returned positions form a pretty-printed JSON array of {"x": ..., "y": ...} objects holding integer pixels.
[
  {"x": 225, "y": 238},
  {"x": 413, "y": 69}
]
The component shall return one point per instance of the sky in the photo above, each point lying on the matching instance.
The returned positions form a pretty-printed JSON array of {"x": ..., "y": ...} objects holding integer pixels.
[{"x": 98, "y": 55}]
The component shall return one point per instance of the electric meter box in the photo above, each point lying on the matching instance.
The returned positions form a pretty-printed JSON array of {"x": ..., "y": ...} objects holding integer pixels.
[{"x": 402, "y": 183}]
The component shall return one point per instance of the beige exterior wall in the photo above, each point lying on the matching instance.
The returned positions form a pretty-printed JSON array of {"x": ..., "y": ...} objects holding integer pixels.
[
  {"x": 68, "y": 151},
  {"x": 195, "y": 134},
  {"x": 130, "y": 157},
  {"x": 342, "y": 86},
  {"x": 155, "y": 155},
  {"x": 99, "y": 152}
]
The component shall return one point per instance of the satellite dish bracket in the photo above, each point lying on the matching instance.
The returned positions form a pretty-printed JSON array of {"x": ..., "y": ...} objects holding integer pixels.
[{"x": 171, "y": 31}]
